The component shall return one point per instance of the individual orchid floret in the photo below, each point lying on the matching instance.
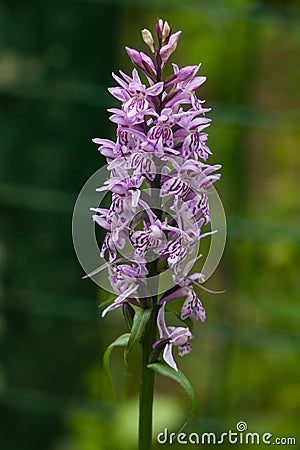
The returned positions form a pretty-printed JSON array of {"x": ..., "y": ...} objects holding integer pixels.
[
  {"x": 195, "y": 140},
  {"x": 185, "y": 92},
  {"x": 134, "y": 95},
  {"x": 192, "y": 307},
  {"x": 189, "y": 183},
  {"x": 151, "y": 238},
  {"x": 178, "y": 336},
  {"x": 166, "y": 31},
  {"x": 105, "y": 219},
  {"x": 184, "y": 74},
  {"x": 107, "y": 148},
  {"x": 163, "y": 127},
  {"x": 167, "y": 49},
  {"x": 142, "y": 162},
  {"x": 125, "y": 191},
  {"x": 143, "y": 62},
  {"x": 121, "y": 299},
  {"x": 163, "y": 31},
  {"x": 121, "y": 275},
  {"x": 148, "y": 39}
]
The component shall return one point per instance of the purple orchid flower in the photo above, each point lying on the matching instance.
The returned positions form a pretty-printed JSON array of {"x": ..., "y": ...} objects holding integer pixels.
[
  {"x": 122, "y": 275},
  {"x": 149, "y": 239},
  {"x": 195, "y": 140},
  {"x": 167, "y": 50},
  {"x": 134, "y": 95},
  {"x": 163, "y": 127},
  {"x": 143, "y": 62},
  {"x": 192, "y": 307},
  {"x": 161, "y": 143},
  {"x": 181, "y": 75},
  {"x": 178, "y": 336}
]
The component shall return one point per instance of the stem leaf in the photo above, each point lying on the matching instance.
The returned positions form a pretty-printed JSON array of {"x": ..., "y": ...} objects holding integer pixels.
[
  {"x": 167, "y": 371},
  {"x": 121, "y": 341},
  {"x": 140, "y": 321}
]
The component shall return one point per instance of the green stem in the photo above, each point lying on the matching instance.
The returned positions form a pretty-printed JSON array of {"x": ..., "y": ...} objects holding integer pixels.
[
  {"x": 147, "y": 375},
  {"x": 147, "y": 386}
]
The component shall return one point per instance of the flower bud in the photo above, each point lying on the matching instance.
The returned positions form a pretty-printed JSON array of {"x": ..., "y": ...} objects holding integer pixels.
[
  {"x": 183, "y": 74},
  {"x": 166, "y": 31},
  {"x": 134, "y": 56},
  {"x": 186, "y": 72},
  {"x": 142, "y": 61},
  {"x": 159, "y": 27},
  {"x": 170, "y": 47},
  {"x": 148, "y": 39}
]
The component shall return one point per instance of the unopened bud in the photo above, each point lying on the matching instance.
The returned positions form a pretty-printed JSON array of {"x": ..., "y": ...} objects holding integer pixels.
[
  {"x": 166, "y": 31},
  {"x": 170, "y": 47},
  {"x": 148, "y": 39},
  {"x": 159, "y": 27},
  {"x": 134, "y": 56}
]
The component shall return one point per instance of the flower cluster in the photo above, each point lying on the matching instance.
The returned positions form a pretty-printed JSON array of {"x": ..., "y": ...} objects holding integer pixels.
[{"x": 159, "y": 178}]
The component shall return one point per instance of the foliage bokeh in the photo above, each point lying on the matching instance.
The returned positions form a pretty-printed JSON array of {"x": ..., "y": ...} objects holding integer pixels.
[{"x": 56, "y": 60}]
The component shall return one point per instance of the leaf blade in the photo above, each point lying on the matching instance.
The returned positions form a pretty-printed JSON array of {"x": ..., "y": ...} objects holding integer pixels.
[
  {"x": 167, "y": 371},
  {"x": 121, "y": 341},
  {"x": 138, "y": 327}
]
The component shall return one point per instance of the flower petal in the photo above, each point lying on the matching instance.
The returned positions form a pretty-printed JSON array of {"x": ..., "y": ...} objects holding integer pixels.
[
  {"x": 155, "y": 89},
  {"x": 193, "y": 307},
  {"x": 161, "y": 324},
  {"x": 168, "y": 357},
  {"x": 119, "y": 300}
]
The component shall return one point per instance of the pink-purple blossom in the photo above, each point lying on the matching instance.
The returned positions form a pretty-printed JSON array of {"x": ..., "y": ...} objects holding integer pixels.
[
  {"x": 161, "y": 143},
  {"x": 172, "y": 336}
]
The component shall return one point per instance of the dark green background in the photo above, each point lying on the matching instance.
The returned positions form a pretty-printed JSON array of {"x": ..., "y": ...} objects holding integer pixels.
[{"x": 56, "y": 59}]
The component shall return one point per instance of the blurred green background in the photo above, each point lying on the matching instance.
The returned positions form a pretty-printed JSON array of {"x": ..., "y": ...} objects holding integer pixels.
[{"x": 56, "y": 59}]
